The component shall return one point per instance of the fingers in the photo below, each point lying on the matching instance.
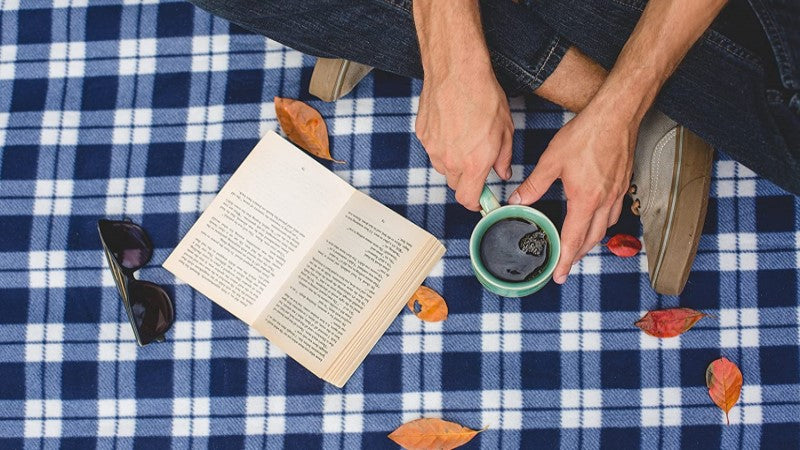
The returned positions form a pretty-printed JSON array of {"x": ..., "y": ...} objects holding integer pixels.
[
  {"x": 595, "y": 234},
  {"x": 573, "y": 234},
  {"x": 502, "y": 166},
  {"x": 469, "y": 188},
  {"x": 616, "y": 210},
  {"x": 539, "y": 181}
]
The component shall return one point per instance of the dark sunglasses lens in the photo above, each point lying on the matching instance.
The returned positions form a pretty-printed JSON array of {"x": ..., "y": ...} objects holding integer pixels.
[
  {"x": 152, "y": 310},
  {"x": 128, "y": 242}
]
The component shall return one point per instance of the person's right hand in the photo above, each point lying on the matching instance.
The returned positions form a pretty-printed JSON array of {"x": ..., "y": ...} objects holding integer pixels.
[{"x": 465, "y": 125}]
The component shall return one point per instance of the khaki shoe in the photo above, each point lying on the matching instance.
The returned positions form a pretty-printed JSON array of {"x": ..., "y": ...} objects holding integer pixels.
[
  {"x": 335, "y": 78},
  {"x": 671, "y": 180}
]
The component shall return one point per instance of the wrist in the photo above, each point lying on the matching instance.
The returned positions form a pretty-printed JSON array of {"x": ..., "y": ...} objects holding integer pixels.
[
  {"x": 627, "y": 97},
  {"x": 464, "y": 72},
  {"x": 450, "y": 36}
]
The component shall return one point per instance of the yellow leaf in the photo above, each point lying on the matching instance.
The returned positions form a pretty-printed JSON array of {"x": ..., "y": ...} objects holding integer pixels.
[
  {"x": 304, "y": 126},
  {"x": 430, "y": 433},
  {"x": 432, "y": 307}
]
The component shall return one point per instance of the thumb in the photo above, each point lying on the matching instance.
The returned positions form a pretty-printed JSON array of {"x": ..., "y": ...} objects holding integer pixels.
[{"x": 537, "y": 183}]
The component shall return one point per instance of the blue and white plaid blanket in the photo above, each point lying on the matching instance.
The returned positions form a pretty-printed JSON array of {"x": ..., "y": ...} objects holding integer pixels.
[{"x": 143, "y": 109}]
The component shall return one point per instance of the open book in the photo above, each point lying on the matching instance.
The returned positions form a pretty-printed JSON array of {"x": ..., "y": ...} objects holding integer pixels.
[{"x": 317, "y": 267}]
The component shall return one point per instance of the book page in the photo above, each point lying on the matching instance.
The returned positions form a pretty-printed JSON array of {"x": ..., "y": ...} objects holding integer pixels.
[
  {"x": 259, "y": 227},
  {"x": 360, "y": 257}
]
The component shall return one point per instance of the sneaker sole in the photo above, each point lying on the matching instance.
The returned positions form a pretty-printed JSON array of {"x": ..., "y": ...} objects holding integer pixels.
[{"x": 687, "y": 213}]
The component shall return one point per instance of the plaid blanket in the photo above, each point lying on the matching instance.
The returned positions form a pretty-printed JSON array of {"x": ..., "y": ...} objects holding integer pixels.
[{"x": 143, "y": 109}]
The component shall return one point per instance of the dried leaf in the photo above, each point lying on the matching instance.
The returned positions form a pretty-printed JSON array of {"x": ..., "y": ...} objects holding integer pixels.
[
  {"x": 666, "y": 323},
  {"x": 428, "y": 305},
  {"x": 624, "y": 245},
  {"x": 304, "y": 126},
  {"x": 724, "y": 381},
  {"x": 432, "y": 433}
]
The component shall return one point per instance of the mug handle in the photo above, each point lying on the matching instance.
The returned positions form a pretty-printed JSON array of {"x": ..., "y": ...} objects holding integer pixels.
[{"x": 488, "y": 201}]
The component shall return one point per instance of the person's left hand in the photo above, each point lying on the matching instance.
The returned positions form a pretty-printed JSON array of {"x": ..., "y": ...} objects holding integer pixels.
[{"x": 593, "y": 156}]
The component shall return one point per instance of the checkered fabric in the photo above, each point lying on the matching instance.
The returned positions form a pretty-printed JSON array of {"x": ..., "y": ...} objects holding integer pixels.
[{"x": 143, "y": 109}]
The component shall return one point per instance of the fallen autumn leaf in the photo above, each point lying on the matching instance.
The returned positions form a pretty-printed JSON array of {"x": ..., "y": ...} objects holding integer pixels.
[
  {"x": 304, "y": 126},
  {"x": 428, "y": 305},
  {"x": 724, "y": 381},
  {"x": 667, "y": 323},
  {"x": 431, "y": 433},
  {"x": 624, "y": 245}
]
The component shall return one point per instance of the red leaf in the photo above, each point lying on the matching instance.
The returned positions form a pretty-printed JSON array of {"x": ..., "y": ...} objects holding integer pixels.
[
  {"x": 666, "y": 323},
  {"x": 624, "y": 245},
  {"x": 724, "y": 381}
]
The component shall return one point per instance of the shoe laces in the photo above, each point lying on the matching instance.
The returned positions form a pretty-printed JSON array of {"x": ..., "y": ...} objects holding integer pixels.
[{"x": 637, "y": 204}]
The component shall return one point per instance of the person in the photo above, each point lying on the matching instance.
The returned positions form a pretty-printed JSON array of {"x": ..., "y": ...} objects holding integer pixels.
[{"x": 727, "y": 71}]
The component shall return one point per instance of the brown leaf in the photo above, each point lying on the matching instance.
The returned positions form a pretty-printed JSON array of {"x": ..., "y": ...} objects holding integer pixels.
[
  {"x": 724, "y": 381},
  {"x": 666, "y": 323},
  {"x": 304, "y": 126},
  {"x": 432, "y": 307},
  {"x": 624, "y": 245},
  {"x": 430, "y": 433}
]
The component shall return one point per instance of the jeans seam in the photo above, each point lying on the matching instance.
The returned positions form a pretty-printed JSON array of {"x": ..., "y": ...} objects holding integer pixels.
[
  {"x": 777, "y": 45},
  {"x": 723, "y": 43},
  {"x": 545, "y": 64},
  {"x": 550, "y": 52}
]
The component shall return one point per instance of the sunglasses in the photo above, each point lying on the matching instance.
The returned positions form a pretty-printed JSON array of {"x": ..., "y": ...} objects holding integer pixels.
[{"x": 128, "y": 248}]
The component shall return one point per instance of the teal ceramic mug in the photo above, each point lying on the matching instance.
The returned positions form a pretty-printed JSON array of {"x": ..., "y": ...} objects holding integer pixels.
[{"x": 492, "y": 213}]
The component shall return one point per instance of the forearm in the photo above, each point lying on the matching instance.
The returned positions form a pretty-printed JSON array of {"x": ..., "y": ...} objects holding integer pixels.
[
  {"x": 661, "y": 39},
  {"x": 450, "y": 37}
]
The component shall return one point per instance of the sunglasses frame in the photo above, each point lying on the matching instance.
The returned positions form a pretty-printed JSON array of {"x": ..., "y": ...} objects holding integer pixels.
[{"x": 123, "y": 277}]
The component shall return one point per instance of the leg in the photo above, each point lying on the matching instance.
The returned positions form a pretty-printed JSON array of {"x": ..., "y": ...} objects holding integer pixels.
[
  {"x": 720, "y": 90},
  {"x": 574, "y": 82},
  {"x": 381, "y": 34}
]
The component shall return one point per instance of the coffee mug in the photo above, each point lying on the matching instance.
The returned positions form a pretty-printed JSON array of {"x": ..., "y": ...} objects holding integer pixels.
[{"x": 492, "y": 213}]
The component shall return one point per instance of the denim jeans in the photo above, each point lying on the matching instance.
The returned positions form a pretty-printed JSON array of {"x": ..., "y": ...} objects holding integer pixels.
[{"x": 738, "y": 87}]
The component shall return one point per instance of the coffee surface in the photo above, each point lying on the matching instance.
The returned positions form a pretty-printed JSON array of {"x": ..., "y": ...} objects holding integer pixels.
[{"x": 514, "y": 250}]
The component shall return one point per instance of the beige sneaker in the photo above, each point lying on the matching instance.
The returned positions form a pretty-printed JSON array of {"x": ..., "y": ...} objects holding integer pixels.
[
  {"x": 335, "y": 78},
  {"x": 671, "y": 180}
]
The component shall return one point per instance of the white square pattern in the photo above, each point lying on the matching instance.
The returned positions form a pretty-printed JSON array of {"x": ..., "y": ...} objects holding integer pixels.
[
  {"x": 60, "y": 128},
  {"x": 67, "y": 59},
  {"x": 8, "y": 54},
  {"x": 343, "y": 413},
  {"x": 43, "y": 418},
  {"x": 191, "y": 416},
  {"x": 282, "y": 58},
  {"x": 581, "y": 408},
  {"x": 210, "y": 53},
  {"x": 574, "y": 334},
  {"x": 137, "y": 56},
  {"x": 43, "y": 342},
  {"x": 132, "y": 126},
  {"x": 205, "y": 123}
]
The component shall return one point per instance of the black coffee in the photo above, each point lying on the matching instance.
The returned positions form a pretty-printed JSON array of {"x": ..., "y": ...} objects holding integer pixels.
[{"x": 514, "y": 250}]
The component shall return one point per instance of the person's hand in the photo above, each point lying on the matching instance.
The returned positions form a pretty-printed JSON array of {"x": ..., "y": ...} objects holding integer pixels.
[
  {"x": 465, "y": 125},
  {"x": 593, "y": 156}
]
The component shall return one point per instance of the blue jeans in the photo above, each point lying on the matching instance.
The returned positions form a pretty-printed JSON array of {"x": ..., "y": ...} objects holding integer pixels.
[{"x": 738, "y": 87}]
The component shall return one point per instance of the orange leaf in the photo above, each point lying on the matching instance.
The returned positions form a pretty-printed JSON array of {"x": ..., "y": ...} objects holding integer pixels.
[
  {"x": 304, "y": 126},
  {"x": 432, "y": 307},
  {"x": 624, "y": 245},
  {"x": 724, "y": 381},
  {"x": 432, "y": 433},
  {"x": 667, "y": 323}
]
